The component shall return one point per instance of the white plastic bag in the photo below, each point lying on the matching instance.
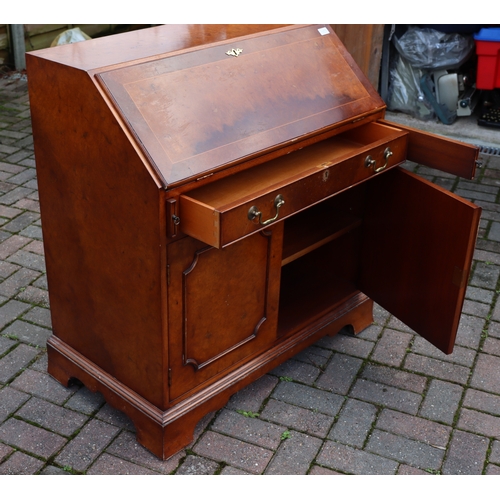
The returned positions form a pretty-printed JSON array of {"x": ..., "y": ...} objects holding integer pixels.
[{"x": 70, "y": 36}]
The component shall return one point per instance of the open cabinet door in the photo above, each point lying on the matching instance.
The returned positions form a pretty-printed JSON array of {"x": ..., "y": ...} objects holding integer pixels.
[{"x": 416, "y": 253}]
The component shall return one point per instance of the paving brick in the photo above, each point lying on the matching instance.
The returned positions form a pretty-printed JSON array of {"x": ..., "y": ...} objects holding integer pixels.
[
  {"x": 26, "y": 332},
  {"x": 28, "y": 260},
  {"x": 250, "y": 458},
  {"x": 233, "y": 471},
  {"x": 35, "y": 247},
  {"x": 396, "y": 324},
  {"x": 42, "y": 385},
  {"x": 27, "y": 204},
  {"x": 18, "y": 281},
  {"x": 479, "y": 423},
  {"x": 496, "y": 312},
  {"x": 41, "y": 282},
  {"x": 20, "y": 222},
  {"x": 460, "y": 356},
  {"x": 466, "y": 454},
  {"x": 485, "y": 275},
  {"x": 197, "y": 466},
  {"x": 115, "y": 417},
  {"x": 41, "y": 363},
  {"x": 85, "y": 401},
  {"x": 353, "y": 461},
  {"x": 380, "y": 315},
  {"x": 15, "y": 195},
  {"x": 437, "y": 368},
  {"x": 323, "y": 471},
  {"x": 10, "y": 401},
  {"x": 251, "y": 397},
  {"x": 441, "y": 401},
  {"x": 486, "y": 375},
  {"x": 30, "y": 438},
  {"x": 296, "y": 370},
  {"x": 6, "y": 269},
  {"x": 6, "y": 344},
  {"x": 5, "y": 451},
  {"x": 354, "y": 423},
  {"x": 81, "y": 452},
  {"x": 314, "y": 355},
  {"x": 23, "y": 176},
  {"x": 295, "y": 455},
  {"x": 492, "y": 470},
  {"x": 16, "y": 360},
  {"x": 492, "y": 346},
  {"x": 395, "y": 377},
  {"x": 297, "y": 418},
  {"x": 408, "y": 470},
  {"x": 469, "y": 331},
  {"x": 476, "y": 308},
  {"x": 347, "y": 344},
  {"x": 108, "y": 465},
  {"x": 482, "y": 401},
  {"x": 391, "y": 347},
  {"x": 21, "y": 464},
  {"x": 371, "y": 333},
  {"x": 340, "y": 373},
  {"x": 10, "y": 310},
  {"x": 251, "y": 430},
  {"x": 34, "y": 231},
  {"x": 384, "y": 395},
  {"x": 40, "y": 316},
  {"x": 35, "y": 296},
  {"x": 413, "y": 427},
  {"x": 403, "y": 449},
  {"x": 125, "y": 446},
  {"x": 9, "y": 213},
  {"x": 50, "y": 470},
  {"x": 495, "y": 452},
  {"x": 480, "y": 294},
  {"x": 308, "y": 397},
  {"x": 52, "y": 417}
]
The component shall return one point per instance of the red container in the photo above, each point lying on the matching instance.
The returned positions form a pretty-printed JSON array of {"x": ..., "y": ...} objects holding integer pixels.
[{"x": 488, "y": 58}]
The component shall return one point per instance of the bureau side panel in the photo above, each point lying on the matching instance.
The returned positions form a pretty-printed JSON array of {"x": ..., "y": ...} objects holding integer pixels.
[{"x": 101, "y": 216}]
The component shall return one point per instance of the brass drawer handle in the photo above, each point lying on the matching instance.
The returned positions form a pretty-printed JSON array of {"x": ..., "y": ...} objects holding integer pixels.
[
  {"x": 254, "y": 213},
  {"x": 371, "y": 163},
  {"x": 387, "y": 154}
]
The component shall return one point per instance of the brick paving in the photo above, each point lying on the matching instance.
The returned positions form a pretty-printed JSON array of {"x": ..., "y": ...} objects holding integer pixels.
[{"x": 386, "y": 402}]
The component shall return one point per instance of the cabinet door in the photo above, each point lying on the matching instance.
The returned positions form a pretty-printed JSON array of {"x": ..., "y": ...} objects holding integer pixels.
[
  {"x": 417, "y": 251},
  {"x": 222, "y": 305}
]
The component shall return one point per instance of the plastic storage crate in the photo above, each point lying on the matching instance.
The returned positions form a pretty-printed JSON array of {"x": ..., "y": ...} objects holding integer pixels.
[{"x": 488, "y": 58}]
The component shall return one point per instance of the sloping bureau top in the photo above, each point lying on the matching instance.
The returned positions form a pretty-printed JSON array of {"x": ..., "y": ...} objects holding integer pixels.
[{"x": 204, "y": 108}]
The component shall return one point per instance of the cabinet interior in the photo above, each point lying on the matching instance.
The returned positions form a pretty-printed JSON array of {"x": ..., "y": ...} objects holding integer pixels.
[{"x": 328, "y": 233}]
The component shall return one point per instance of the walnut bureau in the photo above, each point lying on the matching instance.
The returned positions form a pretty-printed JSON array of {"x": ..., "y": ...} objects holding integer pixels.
[{"x": 215, "y": 199}]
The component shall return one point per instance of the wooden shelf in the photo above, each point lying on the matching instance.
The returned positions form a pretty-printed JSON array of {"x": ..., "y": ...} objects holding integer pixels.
[
  {"x": 305, "y": 234},
  {"x": 309, "y": 291}
]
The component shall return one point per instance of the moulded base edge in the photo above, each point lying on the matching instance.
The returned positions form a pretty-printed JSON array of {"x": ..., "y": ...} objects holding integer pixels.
[{"x": 165, "y": 433}]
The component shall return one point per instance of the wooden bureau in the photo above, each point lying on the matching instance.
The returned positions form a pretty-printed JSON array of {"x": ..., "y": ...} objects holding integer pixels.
[{"x": 215, "y": 199}]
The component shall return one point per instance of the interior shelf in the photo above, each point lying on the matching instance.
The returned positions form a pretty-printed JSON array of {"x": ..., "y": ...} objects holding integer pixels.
[{"x": 305, "y": 233}]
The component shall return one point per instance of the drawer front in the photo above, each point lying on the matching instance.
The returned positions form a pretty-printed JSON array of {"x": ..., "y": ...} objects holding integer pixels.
[{"x": 221, "y": 224}]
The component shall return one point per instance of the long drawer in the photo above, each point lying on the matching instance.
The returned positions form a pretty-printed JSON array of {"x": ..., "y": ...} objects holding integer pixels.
[{"x": 227, "y": 210}]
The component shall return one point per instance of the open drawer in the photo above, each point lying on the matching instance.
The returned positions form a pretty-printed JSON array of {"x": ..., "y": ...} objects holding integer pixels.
[{"x": 227, "y": 210}]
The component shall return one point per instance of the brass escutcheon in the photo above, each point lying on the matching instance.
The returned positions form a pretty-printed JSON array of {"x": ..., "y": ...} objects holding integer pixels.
[
  {"x": 234, "y": 52},
  {"x": 254, "y": 213}
]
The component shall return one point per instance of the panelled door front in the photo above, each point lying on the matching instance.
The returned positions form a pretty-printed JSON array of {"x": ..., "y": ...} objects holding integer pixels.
[{"x": 222, "y": 305}]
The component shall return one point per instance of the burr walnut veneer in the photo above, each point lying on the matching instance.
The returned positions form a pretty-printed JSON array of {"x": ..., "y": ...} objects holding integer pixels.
[{"x": 215, "y": 199}]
